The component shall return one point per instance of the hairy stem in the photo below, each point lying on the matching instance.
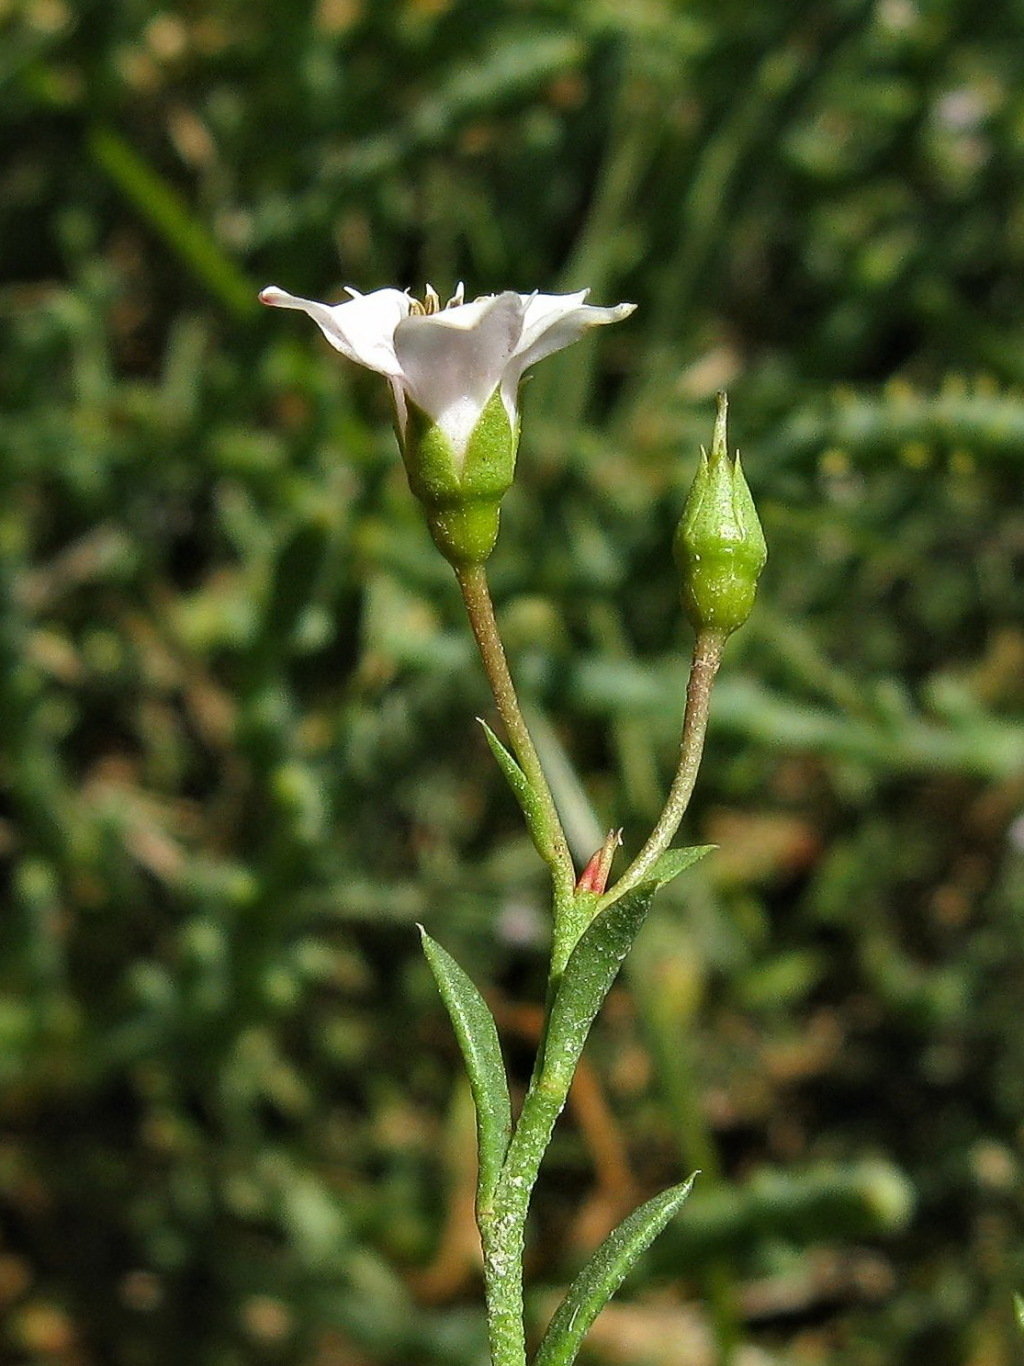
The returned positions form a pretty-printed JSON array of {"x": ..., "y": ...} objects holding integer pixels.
[
  {"x": 503, "y": 1229},
  {"x": 503, "y": 1238}
]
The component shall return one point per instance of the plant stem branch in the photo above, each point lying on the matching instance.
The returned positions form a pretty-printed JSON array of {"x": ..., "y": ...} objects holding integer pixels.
[
  {"x": 476, "y": 595},
  {"x": 707, "y": 656}
]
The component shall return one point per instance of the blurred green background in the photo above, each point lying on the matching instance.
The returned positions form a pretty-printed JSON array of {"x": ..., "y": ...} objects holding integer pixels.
[{"x": 232, "y": 1127}]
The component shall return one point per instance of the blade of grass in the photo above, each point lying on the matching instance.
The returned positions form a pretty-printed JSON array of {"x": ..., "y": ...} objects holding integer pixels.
[{"x": 168, "y": 213}]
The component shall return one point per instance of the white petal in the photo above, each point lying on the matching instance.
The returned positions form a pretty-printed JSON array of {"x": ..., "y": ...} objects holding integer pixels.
[
  {"x": 362, "y": 329},
  {"x": 454, "y": 360},
  {"x": 543, "y": 311},
  {"x": 553, "y": 322}
]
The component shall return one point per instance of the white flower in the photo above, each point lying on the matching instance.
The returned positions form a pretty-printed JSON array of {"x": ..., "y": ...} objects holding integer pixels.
[{"x": 451, "y": 361}]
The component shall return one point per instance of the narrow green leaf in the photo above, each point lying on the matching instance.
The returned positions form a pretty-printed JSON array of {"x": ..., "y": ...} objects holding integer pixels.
[
  {"x": 676, "y": 861},
  {"x": 524, "y": 794},
  {"x": 514, "y": 775},
  {"x": 1018, "y": 1311},
  {"x": 478, "y": 1038},
  {"x": 588, "y": 976},
  {"x": 664, "y": 870},
  {"x": 604, "y": 1273}
]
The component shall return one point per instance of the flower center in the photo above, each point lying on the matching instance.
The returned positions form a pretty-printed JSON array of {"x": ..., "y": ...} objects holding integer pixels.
[{"x": 431, "y": 304}]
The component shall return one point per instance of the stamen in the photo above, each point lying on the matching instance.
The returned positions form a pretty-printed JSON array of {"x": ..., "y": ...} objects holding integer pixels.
[{"x": 431, "y": 303}]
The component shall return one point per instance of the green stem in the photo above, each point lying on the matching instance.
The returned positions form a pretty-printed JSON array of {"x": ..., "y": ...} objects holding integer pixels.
[
  {"x": 707, "y": 656},
  {"x": 476, "y": 595},
  {"x": 503, "y": 1239},
  {"x": 503, "y": 1224},
  {"x": 503, "y": 1229}
]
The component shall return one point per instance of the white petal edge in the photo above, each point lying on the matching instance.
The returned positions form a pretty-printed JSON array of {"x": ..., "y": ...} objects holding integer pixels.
[
  {"x": 554, "y": 322},
  {"x": 543, "y": 310},
  {"x": 363, "y": 328},
  {"x": 550, "y": 327}
]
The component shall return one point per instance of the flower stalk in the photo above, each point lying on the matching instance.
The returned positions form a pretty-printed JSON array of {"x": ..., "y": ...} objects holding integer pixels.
[
  {"x": 553, "y": 848},
  {"x": 707, "y": 658}
]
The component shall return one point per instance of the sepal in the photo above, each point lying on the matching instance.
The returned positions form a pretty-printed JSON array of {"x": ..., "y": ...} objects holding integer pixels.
[{"x": 461, "y": 496}]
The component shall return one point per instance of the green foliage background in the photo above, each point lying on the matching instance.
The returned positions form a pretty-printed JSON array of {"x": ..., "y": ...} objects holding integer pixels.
[{"x": 237, "y": 751}]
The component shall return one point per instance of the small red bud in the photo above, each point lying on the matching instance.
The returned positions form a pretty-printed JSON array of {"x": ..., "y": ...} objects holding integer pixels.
[{"x": 594, "y": 877}]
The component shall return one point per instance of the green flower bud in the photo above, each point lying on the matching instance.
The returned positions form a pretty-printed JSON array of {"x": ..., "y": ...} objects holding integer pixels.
[
  {"x": 719, "y": 546},
  {"x": 462, "y": 497}
]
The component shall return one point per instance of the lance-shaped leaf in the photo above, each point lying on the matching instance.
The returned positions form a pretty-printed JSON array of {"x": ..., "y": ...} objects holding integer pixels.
[
  {"x": 596, "y": 959},
  {"x": 588, "y": 976},
  {"x": 603, "y": 1274},
  {"x": 536, "y": 819},
  {"x": 676, "y": 861},
  {"x": 478, "y": 1038},
  {"x": 664, "y": 870}
]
